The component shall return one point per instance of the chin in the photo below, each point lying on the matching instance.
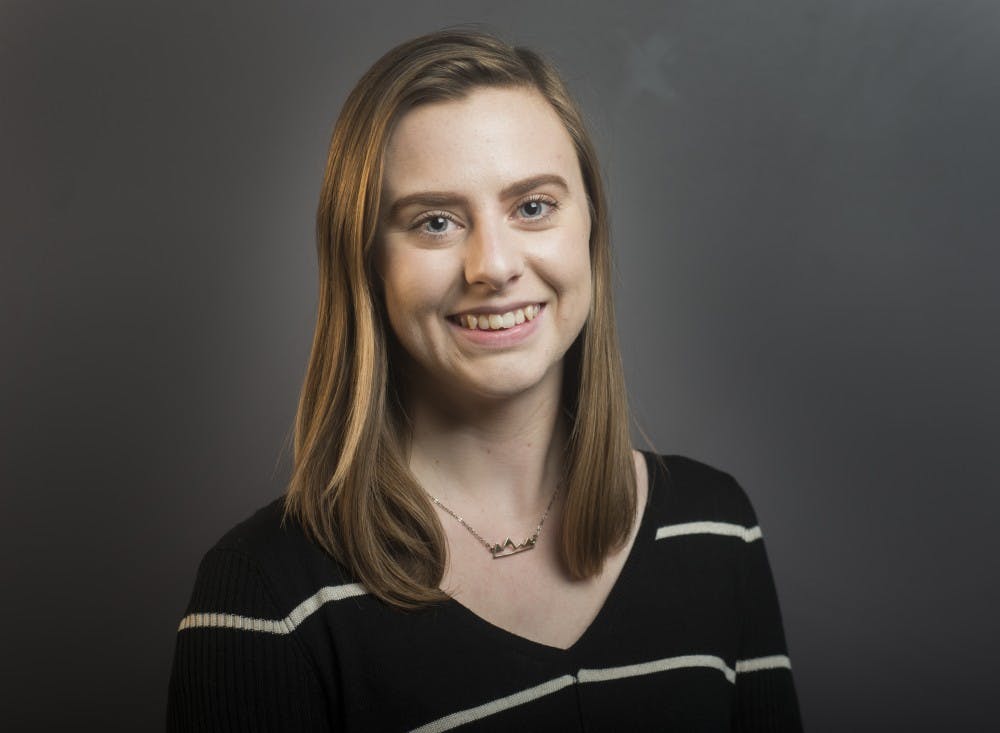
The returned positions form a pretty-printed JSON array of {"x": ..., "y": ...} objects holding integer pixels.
[{"x": 507, "y": 385}]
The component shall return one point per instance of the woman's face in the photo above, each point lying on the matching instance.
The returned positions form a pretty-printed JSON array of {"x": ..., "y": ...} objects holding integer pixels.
[{"x": 484, "y": 243}]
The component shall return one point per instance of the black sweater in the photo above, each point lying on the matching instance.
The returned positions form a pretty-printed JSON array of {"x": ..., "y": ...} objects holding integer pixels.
[{"x": 278, "y": 637}]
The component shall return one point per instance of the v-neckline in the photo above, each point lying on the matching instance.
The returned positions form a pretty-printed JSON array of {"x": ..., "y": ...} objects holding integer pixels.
[{"x": 538, "y": 648}]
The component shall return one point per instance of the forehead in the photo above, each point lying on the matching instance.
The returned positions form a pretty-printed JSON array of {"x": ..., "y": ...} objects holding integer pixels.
[{"x": 490, "y": 137}]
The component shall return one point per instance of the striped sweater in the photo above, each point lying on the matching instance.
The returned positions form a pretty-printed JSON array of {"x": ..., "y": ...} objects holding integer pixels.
[{"x": 278, "y": 637}]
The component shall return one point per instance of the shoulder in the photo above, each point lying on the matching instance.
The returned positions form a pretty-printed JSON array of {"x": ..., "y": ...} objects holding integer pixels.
[
  {"x": 237, "y": 654},
  {"x": 270, "y": 552},
  {"x": 265, "y": 532},
  {"x": 687, "y": 490}
]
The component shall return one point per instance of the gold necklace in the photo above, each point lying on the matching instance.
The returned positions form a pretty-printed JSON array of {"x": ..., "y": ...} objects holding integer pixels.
[{"x": 507, "y": 547}]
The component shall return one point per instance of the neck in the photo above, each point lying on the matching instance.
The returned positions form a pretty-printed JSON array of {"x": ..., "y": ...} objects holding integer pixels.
[{"x": 501, "y": 458}]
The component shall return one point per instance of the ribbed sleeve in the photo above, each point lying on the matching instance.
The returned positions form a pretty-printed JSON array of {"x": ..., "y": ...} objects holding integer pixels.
[
  {"x": 226, "y": 679},
  {"x": 766, "y": 700}
]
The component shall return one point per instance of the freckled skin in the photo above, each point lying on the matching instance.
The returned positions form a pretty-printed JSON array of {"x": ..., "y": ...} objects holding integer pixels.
[{"x": 483, "y": 248}]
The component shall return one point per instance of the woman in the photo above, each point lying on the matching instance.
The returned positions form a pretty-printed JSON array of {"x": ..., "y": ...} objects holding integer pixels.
[{"x": 468, "y": 539}]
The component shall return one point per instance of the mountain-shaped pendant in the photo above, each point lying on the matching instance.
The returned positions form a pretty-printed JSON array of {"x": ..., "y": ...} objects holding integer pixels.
[{"x": 508, "y": 548}]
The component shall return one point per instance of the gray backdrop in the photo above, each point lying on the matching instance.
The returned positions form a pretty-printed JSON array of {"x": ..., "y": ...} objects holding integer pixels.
[{"x": 805, "y": 219}]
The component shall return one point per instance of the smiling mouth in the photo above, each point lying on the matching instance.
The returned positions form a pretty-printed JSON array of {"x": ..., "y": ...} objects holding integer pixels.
[{"x": 497, "y": 321}]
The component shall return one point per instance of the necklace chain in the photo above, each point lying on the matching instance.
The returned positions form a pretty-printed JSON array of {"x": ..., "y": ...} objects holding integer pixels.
[{"x": 507, "y": 547}]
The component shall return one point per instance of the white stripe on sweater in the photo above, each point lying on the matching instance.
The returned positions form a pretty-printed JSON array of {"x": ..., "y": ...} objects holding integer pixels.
[
  {"x": 496, "y": 706},
  {"x": 755, "y": 665},
  {"x": 659, "y": 665},
  {"x": 273, "y": 626},
  {"x": 747, "y": 534},
  {"x": 585, "y": 676}
]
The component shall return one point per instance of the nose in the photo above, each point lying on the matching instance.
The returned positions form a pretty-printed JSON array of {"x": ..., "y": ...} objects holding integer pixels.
[{"x": 493, "y": 256}]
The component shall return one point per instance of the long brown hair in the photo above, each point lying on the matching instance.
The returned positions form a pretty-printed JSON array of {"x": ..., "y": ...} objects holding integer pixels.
[{"x": 351, "y": 488}]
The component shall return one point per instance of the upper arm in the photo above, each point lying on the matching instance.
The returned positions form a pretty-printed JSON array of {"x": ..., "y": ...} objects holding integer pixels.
[
  {"x": 237, "y": 666},
  {"x": 765, "y": 690}
]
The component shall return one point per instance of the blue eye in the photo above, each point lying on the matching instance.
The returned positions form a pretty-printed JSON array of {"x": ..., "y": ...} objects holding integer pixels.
[
  {"x": 536, "y": 209},
  {"x": 436, "y": 224},
  {"x": 531, "y": 208}
]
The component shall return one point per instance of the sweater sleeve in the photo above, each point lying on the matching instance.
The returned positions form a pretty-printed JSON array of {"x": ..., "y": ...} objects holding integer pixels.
[
  {"x": 238, "y": 666},
  {"x": 766, "y": 700}
]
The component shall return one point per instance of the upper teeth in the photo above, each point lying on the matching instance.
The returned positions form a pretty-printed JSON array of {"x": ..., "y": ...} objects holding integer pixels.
[{"x": 497, "y": 321}]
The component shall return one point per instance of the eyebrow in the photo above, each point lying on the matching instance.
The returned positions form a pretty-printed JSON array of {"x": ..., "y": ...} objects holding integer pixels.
[{"x": 447, "y": 198}]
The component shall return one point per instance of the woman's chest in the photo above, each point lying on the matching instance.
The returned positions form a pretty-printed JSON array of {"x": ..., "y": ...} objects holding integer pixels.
[
  {"x": 659, "y": 654},
  {"x": 534, "y": 600}
]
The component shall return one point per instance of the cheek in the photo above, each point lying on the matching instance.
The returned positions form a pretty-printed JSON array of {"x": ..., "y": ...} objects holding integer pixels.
[
  {"x": 568, "y": 270},
  {"x": 401, "y": 306},
  {"x": 579, "y": 252},
  {"x": 577, "y": 264},
  {"x": 583, "y": 283},
  {"x": 414, "y": 293}
]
